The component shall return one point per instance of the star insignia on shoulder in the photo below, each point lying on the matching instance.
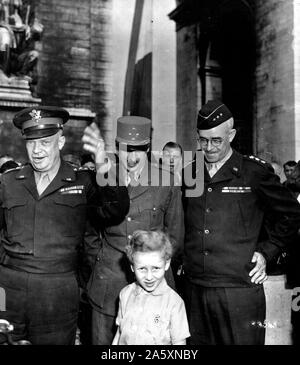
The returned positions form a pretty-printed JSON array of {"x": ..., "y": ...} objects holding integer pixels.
[
  {"x": 256, "y": 159},
  {"x": 81, "y": 169},
  {"x": 13, "y": 169}
]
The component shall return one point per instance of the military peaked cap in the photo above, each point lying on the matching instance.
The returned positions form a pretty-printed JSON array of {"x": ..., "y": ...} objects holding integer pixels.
[
  {"x": 134, "y": 131},
  {"x": 212, "y": 114},
  {"x": 39, "y": 122}
]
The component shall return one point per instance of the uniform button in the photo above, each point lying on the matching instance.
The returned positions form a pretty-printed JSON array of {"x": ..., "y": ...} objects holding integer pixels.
[
  {"x": 129, "y": 219},
  {"x": 209, "y": 190},
  {"x": 205, "y": 253},
  {"x": 129, "y": 236},
  {"x": 208, "y": 210},
  {"x": 154, "y": 208},
  {"x": 98, "y": 259},
  {"x": 206, "y": 231}
]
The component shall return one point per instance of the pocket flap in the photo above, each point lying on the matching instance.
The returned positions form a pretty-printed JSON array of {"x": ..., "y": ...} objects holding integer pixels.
[
  {"x": 14, "y": 202},
  {"x": 71, "y": 200}
]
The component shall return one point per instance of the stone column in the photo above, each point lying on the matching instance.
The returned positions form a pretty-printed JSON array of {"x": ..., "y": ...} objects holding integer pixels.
[
  {"x": 277, "y": 109},
  {"x": 163, "y": 74},
  {"x": 278, "y": 311},
  {"x": 296, "y": 24}
]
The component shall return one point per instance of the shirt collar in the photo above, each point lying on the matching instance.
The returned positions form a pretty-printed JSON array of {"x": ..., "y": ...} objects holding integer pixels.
[
  {"x": 51, "y": 174},
  {"x": 220, "y": 163}
]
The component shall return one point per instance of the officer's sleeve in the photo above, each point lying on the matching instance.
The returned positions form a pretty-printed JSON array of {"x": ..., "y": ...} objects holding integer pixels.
[
  {"x": 282, "y": 215},
  {"x": 111, "y": 200},
  {"x": 89, "y": 249},
  {"x": 174, "y": 223}
]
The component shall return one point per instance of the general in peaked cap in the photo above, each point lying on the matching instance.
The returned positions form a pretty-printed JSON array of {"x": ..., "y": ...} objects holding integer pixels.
[
  {"x": 213, "y": 113},
  {"x": 39, "y": 122},
  {"x": 134, "y": 131}
]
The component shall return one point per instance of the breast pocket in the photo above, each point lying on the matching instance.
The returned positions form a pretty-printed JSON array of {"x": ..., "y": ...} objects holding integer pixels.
[
  {"x": 15, "y": 210},
  {"x": 151, "y": 213},
  {"x": 69, "y": 214}
]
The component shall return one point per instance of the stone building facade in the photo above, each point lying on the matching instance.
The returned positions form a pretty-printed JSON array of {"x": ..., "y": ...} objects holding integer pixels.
[
  {"x": 246, "y": 53},
  {"x": 74, "y": 70},
  {"x": 101, "y": 59},
  {"x": 163, "y": 59}
]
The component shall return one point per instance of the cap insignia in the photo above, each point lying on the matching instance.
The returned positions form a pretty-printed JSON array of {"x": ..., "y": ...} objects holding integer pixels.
[{"x": 36, "y": 115}]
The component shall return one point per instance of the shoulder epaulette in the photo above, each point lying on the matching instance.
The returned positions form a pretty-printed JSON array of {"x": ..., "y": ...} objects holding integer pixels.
[
  {"x": 257, "y": 160},
  {"x": 82, "y": 168},
  {"x": 13, "y": 169}
]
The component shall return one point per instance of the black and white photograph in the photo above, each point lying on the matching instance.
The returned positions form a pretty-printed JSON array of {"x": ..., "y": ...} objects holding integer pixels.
[{"x": 149, "y": 176}]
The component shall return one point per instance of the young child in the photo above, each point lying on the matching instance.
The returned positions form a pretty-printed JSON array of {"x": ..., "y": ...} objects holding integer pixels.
[{"x": 150, "y": 312}]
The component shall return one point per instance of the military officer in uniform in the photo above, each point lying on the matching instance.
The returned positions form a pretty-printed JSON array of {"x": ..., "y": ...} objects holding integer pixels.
[
  {"x": 44, "y": 205},
  {"x": 152, "y": 206},
  {"x": 224, "y": 260}
]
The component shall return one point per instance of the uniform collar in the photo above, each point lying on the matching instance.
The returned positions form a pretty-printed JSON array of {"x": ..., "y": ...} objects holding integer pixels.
[
  {"x": 220, "y": 163},
  {"x": 66, "y": 173},
  {"x": 160, "y": 290},
  {"x": 51, "y": 174},
  {"x": 229, "y": 170}
]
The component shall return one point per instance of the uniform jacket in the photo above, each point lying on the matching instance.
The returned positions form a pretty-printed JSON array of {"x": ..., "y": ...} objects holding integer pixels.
[
  {"x": 223, "y": 225},
  {"x": 44, "y": 233},
  {"x": 151, "y": 207}
]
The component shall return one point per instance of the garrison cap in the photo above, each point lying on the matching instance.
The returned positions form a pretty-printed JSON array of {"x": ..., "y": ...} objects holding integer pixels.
[
  {"x": 39, "y": 122},
  {"x": 213, "y": 113},
  {"x": 133, "y": 131}
]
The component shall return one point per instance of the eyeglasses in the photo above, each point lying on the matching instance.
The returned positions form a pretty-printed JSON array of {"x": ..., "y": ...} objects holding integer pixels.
[{"x": 216, "y": 142}]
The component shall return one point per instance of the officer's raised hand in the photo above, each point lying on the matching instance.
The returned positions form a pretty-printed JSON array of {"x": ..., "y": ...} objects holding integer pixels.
[
  {"x": 94, "y": 143},
  {"x": 258, "y": 273}
]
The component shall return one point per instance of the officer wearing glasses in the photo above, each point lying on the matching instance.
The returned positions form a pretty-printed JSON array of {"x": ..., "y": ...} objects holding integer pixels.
[{"x": 225, "y": 260}]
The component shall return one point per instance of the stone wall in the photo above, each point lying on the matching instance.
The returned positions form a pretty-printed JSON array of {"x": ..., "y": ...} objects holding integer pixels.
[
  {"x": 188, "y": 89},
  {"x": 74, "y": 68},
  {"x": 274, "y": 120}
]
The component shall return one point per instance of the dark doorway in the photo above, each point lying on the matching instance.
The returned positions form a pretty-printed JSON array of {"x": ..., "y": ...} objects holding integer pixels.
[{"x": 226, "y": 46}]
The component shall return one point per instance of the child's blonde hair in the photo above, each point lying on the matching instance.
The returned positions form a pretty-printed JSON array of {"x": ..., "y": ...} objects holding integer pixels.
[{"x": 149, "y": 241}]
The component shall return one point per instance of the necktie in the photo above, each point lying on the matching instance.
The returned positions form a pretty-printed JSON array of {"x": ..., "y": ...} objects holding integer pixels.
[
  {"x": 42, "y": 184},
  {"x": 212, "y": 169}
]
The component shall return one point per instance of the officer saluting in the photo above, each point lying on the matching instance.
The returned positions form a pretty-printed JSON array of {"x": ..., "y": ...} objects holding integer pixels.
[
  {"x": 225, "y": 260},
  {"x": 45, "y": 204},
  {"x": 153, "y": 206}
]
